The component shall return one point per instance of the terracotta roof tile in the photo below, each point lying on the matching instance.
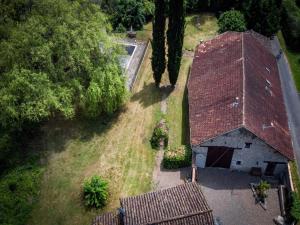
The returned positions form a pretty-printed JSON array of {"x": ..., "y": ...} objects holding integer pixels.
[{"x": 235, "y": 83}]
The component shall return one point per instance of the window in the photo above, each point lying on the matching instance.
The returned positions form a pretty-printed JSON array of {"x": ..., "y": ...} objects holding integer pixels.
[
  {"x": 238, "y": 162},
  {"x": 247, "y": 145}
]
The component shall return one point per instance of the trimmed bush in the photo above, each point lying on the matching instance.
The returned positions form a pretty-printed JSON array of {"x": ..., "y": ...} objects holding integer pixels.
[
  {"x": 160, "y": 133},
  {"x": 95, "y": 191},
  {"x": 177, "y": 158},
  {"x": 232, "y": 20}
]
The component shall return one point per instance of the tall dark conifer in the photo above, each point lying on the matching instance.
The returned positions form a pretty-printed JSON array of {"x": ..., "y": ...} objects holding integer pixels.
[
  {"x": 158, "y": 43},
  {"x": 175, "y": 38}
]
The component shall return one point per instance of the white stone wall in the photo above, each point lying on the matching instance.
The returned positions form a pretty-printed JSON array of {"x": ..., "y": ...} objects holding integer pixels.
[{"x": 254, "y": 156}]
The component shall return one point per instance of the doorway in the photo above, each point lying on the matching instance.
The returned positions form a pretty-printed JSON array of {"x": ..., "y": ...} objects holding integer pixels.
[
  {"x": 270, "y": 168},
  {"x": 219, "y": 157}
]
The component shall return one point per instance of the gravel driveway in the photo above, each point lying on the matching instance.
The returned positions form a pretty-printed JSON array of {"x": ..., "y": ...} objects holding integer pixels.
[{"x": 231, "y": 199}]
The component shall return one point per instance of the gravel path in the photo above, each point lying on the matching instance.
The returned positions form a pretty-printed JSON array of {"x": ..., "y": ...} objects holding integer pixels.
[
  {"x": 163, "y": 178},
  {"x": 291, "y": 98}
]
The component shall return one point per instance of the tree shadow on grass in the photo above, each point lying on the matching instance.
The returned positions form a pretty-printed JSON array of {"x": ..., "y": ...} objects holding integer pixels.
[
  {"x": 185, "y": 134},
  {"x": 54, "y": 134},
  {"x": 150, "y": 94}
]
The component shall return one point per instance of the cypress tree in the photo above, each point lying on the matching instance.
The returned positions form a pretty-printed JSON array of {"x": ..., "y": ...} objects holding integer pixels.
[
  {"x": 158, "y": 43},
  {"x": 175, "y": 36}
]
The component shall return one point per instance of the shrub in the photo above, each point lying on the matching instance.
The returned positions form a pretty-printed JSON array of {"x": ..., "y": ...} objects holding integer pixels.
[
  {"x": 129, "y": 13},
  {"x": 177, "y": 158},
  {"x": 95, "y": 191},
  {"x": 295, "y": 210},
  {"x": 160, "y": 132},
  {"x": 232, "y": 20},
  {"x": 262, "y": 187},
  {"x": 19, "y": 191}
]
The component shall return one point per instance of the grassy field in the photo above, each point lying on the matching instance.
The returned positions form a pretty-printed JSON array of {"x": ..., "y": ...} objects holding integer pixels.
[
  {"x": 294, "y": 60},
  {"x": 117, "y": 149},
  {"x": 193, "y": 33},
  {"x": 207, "y": 29},
  {"x": 177, "y": 112}
]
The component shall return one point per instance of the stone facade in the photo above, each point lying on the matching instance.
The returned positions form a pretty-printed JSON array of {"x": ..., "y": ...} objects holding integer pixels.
[{"x": 245, "y": 156}]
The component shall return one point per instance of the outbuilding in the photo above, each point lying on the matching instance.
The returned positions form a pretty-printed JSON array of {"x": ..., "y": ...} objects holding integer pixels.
[{"x": 237, "y": 114}]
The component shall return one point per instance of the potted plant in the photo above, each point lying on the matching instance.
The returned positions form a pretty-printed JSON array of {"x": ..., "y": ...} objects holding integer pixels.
[{"x": 262, "y": 189}]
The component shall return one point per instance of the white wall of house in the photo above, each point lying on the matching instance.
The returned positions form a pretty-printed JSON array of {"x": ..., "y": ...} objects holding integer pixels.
[{"x": 243, "y": 158}]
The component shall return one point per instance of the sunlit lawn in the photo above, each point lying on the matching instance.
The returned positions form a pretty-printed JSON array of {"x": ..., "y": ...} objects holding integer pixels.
[
  {"x": 117, "y": 149},
  {"x": 193, "y": 33},
  {"x": 294, "y": 60}
]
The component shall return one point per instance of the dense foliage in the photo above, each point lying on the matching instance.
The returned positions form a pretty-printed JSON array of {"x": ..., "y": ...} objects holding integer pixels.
[
  {"x": 263, "y": 16},
  {"x": 177, "y": 158},
  {"x": 51, "y": 63},
  {"x": 95, "y": 191},
  {"x": 129, "y": 13},
  {"x": 295, "y": 210},
  {"x": 158, "y": 44},
  {"x": 216, "y": 6},
  {"x": 175, "y": 36},
  {"x": 18, "y": 194},
  {"x": 160, "y": 134},
  {"x": 291, "y": 23},
  {"x": 232, "y": 20}
]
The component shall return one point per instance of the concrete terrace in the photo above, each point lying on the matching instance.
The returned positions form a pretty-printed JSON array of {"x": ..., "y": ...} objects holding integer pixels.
[{"x": 229, "y": 195}]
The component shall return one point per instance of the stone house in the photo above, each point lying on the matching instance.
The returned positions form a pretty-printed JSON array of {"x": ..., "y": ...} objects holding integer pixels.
[{"x": 237, "y": 113}]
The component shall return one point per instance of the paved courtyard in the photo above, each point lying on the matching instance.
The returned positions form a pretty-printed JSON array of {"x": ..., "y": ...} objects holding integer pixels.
[{"x": 231, "y": 199}]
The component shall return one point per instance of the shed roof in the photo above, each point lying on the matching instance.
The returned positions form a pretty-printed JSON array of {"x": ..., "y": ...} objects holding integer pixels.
[
  {"x": 183, "y": 204},
  {"x": 234, "y": 83},
  {"x": 180, "y": 205}
]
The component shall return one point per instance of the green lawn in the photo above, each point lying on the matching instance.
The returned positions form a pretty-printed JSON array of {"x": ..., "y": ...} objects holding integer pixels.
[
  {"x": 193, "y": 33},
  {"x": 207, "y": 29},
  {"x": 294, "y": 60},
  {"x": 117, "y": 149},
  {"x": 177, "y": 111}
]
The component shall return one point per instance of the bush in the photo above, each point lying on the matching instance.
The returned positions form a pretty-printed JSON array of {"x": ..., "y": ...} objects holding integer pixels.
[
  {"x": 232, "y": 20},
  {"x": 160, "y": 132},
  {"x": 129, "y": 13},
  {"x": 262, "y": 188},
  {"x": 295, "y": 210},
  {"x": 177, "y": 158},
  {"x": 291, "y": 23},
  {"x": 19, "y": 191},
  {"x": 95, "y": 191}
]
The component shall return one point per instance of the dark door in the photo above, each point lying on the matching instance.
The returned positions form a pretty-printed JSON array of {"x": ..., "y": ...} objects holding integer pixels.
[
  {"x": 270, "y": 169},
  {"x": 219, "y": 157}
]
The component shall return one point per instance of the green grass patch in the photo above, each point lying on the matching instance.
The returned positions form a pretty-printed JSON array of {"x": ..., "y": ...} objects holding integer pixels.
[
  {"x": 295, "y": 176},
  {"x": 202, "y": 26},
  {"x": 116, "y": 149},
  {"x": 294, "y": 60},
  {"x": 198, "y": 27},
  {"x": 19, "y": 192}
]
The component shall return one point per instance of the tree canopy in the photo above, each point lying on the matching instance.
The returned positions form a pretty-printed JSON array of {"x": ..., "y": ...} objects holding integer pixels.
[
  {"x": 232, "y": 20},
  {"x": 263, "y": 16},
  {"x": 51, "y": 62}
]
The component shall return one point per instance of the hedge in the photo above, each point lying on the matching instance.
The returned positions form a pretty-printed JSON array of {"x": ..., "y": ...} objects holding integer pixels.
[{"x": 177, "y": 158}]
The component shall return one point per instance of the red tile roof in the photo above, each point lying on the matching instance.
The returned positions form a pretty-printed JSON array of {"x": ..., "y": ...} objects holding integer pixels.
[{"x": 234, "y": 83}]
